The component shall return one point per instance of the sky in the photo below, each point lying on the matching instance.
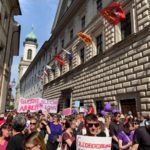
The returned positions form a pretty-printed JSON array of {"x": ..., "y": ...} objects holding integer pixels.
[{"x": 40, "y": 14}]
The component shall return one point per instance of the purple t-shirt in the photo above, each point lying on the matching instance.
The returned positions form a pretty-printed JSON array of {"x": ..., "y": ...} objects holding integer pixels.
[
  {"x": 3, "y": 147},
  {"x": 56, "y": 130},
  {"x": 125, "y": 138}
]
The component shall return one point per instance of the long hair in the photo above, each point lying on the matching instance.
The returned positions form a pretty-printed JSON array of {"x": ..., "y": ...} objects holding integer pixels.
[
  {"x": 35, "y": 139},
  {"x": 4, "y": 126}
]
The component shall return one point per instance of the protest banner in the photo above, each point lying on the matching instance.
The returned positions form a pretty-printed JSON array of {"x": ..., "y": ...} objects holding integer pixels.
[
  {"x": 35, "y": 104},
  {"x": 67, "y": 112},
  {"x": 93, "y": 143}
]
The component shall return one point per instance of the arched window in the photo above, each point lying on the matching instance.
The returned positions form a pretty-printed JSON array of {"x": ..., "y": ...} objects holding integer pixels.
[{"x": 29, "y": 55}]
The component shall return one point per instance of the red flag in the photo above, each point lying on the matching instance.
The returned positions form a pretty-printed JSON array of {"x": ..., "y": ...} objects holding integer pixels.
[
  {"x": 85, "y": 38},
  {"x": 113, "y": 13},
  {"x": 59, "y": 59}
]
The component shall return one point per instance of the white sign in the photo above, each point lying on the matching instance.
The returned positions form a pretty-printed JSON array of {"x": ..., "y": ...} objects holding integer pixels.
[
  {"x": 36, "y": 104},
  {"x": 93, "y": 143}
]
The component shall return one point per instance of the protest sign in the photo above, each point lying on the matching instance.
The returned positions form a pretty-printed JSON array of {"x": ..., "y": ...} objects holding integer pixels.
[
  {"x": 77, "y": 104},
  {"x": 67, "y": 112},
  {"x": 93, "y": 143},
  {"x": 35, "y": 104}
]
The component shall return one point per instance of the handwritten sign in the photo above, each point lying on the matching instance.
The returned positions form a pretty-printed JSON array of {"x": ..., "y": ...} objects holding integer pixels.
[
  {"x": 36, "y": 104},
  {"x": 93, "y": 143}
]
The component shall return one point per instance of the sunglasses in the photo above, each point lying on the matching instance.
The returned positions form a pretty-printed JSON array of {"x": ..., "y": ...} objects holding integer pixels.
[
  {"x": 93, "y": 124},
  {"x": 32, "y": 123}
]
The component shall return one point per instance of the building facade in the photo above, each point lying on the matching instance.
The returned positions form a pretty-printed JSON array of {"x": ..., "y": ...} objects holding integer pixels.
[
  {"x": 9, "y": 44},
  {"x": 31, "y": 83},
  {"x": 115, "y": 68},
  {"x": 30, "y": 46}
]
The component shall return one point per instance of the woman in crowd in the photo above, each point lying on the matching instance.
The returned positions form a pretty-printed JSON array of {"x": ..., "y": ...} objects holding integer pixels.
[
  {"x": 101, "y": 130},
  {"x": 33, "y": 125},
  {"x": 68, "y": 136},
  {"x": 34, "y": 142},
  {"x": 55, "y": 134},
  {"x": 43, "y": 128},
  {"x": 125, "y": 137},
  {"x": 4, "y": 135}
]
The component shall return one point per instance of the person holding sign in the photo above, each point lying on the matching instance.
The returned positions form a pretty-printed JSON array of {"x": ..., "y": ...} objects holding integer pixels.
[{"x": 92, "y": 126}]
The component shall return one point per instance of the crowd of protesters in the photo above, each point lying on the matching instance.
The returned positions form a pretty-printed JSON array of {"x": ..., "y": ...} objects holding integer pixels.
[{"x": 45, "y": 131}]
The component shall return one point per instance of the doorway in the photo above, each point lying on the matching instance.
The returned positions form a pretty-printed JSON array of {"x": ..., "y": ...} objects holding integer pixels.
[
  {"x": 128, "y": 105},
  {"x": 66, "y": 97}
]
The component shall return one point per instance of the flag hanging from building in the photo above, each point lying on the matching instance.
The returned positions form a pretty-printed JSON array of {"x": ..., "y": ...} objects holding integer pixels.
[
  {"x": 45, "y": 72},
  {"x": 41, "y": 77},
  {"x": 69, "y": 55},
  {"x": 85, "y": 38},
  {"x": 48, "y": 67},
  {"x": 113, "y": 13},
  {"x": 59, "y": 59}
]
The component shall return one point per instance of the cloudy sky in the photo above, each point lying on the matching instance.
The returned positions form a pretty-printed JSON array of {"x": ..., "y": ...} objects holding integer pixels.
[{"x": 41, "y": 14}]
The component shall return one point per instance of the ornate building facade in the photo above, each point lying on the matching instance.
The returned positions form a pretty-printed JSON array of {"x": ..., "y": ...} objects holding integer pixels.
[
  {"x": 30, "y": 46},
  {"x": 9, "y": 44},
  {"x": 115, "y": 68}
]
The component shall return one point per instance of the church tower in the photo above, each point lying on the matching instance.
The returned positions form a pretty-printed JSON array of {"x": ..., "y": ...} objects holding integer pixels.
[{"x": 30, "y": 46}]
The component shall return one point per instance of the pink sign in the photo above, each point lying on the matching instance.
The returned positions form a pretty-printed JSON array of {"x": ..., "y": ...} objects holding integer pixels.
[
  {"x": 36, "y": 104},
  {"x": 67, "y": 112}
]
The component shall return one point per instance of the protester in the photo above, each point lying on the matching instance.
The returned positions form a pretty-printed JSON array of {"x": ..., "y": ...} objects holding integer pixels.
[
  {"x": 4, "y": 135},
  {"x": 34, "y": 142},
  {"x": 43, "y": 128},
  {"x": 125, "y": 137},
  {"x": 33, "y": 125},
  {"x": 16, "y": 141},
  {"x": 115, "y": 127},
  {"x": 101, "y": 130},
  {"x": 141, "y": 140},
  {"x": 55, "y": 135},
  {"x": 68, "y": 136}
]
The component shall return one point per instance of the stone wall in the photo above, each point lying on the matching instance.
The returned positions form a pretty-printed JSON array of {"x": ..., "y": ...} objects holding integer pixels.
[{"x": 121, "y": 71}]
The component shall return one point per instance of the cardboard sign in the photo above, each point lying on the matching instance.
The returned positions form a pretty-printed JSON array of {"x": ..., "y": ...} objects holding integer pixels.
[
  {"x": 93, "y": 143},
  {"x": 67, "y": 112},
  {"x": 36, "y": 104}
]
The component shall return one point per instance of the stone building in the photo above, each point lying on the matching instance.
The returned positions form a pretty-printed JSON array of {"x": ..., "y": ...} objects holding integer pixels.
[
  {"x": 9, "y": 44},
  {"x": 30, "y": 46},
  {"x": 115, "y": 68},
  {"x": 31, "y": 83}
]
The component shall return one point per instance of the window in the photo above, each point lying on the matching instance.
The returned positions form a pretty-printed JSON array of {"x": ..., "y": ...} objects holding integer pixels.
[
  {"x": 5, "y": 21},
  {"x": 82, "y": 55},
  {"x": 83, "y": 22},
  {"x": 55, "y": 50},
  {"x": 126, "y": 27},
  {"x": 99, "y": 106},
  {"x": 60, "y": 69},
  {"x": 29, "y": 55},
  {"x": 99, "y": 4},
  {"x": 62, "y": 43},
  {"x": 99, "y": 43},
  {"x": 71, "y": 34},
  {"x": 70, "y": 64}
]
